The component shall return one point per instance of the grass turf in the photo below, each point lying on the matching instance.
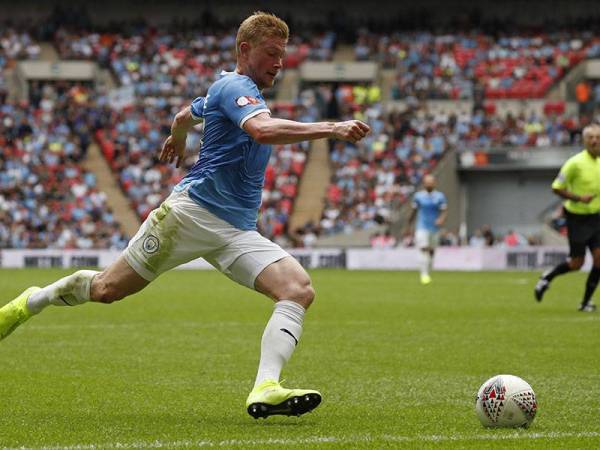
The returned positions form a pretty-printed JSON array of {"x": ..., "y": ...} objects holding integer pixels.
[{"x": 398, "y": 364}]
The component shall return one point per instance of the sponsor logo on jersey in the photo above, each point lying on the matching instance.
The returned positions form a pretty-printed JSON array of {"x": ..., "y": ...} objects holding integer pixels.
[{"x": 246, "y": 100}]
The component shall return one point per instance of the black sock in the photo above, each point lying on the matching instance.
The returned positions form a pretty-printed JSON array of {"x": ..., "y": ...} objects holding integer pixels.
[
  {"x": 590, "y": 284},
  {"x": 563, "y": 267}
]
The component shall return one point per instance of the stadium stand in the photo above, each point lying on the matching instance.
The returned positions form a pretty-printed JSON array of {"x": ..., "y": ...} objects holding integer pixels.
[
  {"x": 47, "y": 200},
  {"x": 375, "y": 177},
  {"x": 468, "y": 65}
]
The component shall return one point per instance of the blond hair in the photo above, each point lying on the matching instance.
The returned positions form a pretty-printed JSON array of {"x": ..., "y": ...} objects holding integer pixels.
[{"x": 258, "y": 26}]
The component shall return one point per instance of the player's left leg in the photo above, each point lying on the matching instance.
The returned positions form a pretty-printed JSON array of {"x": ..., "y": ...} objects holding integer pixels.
[
  {"x": 288, "y": 284},
  {"x": 431, "y": 257},
  {"x": 592, "y": 282},
  {"x": 271, "y": 271}
]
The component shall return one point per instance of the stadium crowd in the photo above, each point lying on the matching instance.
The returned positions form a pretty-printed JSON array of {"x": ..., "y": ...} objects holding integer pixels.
[
  {"x": 474, "y": 65},
  {"x": 375, "y": 177},
  {"x": 47, "y": 199}
]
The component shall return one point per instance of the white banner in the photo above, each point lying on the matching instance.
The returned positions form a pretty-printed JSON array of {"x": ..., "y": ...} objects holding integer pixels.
[
  {"x": 44, "y": 258},
  {"x": 446, "y": 258},
  {"x": 57, "y": 258},
  {"x": 460, "y": 258}
]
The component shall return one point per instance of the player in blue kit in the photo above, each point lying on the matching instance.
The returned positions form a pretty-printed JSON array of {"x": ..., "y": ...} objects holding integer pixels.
[
  {"x": 212, "y": 214},
  {"x": 430, "y": 208}
]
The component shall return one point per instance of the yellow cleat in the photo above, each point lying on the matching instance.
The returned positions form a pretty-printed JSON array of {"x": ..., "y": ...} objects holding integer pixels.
[
  {"x": 425, "y": 279},
  {"x": 269, "y": 399},
  {"x": 15, "y": 313}
]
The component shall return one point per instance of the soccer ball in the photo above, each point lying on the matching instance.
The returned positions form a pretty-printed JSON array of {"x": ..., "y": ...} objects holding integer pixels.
[{"x": 506, "y": 401}]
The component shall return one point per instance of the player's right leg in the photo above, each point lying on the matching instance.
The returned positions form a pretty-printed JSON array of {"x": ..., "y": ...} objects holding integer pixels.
[
  {"x": 116, "y": 282},
  {"x": 422, "y": 239},
  {"x": 156, "y": 248}
]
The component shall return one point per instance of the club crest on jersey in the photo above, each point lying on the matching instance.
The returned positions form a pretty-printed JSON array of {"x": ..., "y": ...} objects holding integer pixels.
[
  {"x": 151, "y": 244},
  {"x": 246, "y": 100}
]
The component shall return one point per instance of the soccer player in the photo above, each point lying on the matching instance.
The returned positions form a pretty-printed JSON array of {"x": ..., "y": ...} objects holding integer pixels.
[
  {"x": 212, "y": 214},
  {"x": 429, "y": 206},
  {"x": 578, "y": 182}
]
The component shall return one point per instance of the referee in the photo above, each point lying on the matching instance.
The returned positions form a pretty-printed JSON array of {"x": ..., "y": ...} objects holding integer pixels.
[{"x": 579, "y": 184}]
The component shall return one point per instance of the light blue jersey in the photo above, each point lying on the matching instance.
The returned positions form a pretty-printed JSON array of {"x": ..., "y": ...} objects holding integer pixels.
[
  {"x": 429, "y": 205},
  {"x": 228, "y": 177}
]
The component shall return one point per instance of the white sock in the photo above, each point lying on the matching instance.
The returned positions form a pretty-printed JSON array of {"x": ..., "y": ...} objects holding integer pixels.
[
  {"x": 279, "y": 340},
  {"x": 424, "y": 262},
  {"x": 68, "y": 291}
]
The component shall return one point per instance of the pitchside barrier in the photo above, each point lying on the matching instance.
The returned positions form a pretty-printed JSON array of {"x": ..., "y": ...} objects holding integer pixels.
[{"x": 446, "y": 258}]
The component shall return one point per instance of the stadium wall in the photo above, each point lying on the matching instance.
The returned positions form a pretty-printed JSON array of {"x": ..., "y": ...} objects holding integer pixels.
[
  {"x": 508, "y": 200},
  {"x": 509, "y": 189},
  {"x": 446, "y": 258}
]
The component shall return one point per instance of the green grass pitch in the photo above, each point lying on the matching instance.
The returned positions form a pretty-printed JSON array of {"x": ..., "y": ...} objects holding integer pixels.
[{"x": 398, "y": 364}]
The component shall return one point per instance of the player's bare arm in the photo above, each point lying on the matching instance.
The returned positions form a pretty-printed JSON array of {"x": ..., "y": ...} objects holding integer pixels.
[
  {"x": 267, "y": 130},
  {"x": 585, "y": 198},
  {"x": 174, "y": 146},
  {"x": 410, "y": 221},
  {"x": 442, "y": 218}
]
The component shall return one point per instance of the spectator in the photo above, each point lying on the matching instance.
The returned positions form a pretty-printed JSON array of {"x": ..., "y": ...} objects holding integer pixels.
[{"x": 477, "y": 239}]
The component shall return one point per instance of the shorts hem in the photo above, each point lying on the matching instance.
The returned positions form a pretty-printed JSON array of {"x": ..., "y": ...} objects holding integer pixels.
[
  {"x": 264, "y": 263},
  {"x": 141, "y": 271}
]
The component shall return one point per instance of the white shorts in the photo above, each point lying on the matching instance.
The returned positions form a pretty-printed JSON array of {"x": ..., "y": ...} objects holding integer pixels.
[
  {"x": 181, "y": 230},
  {"x": 427, "y": 239}
]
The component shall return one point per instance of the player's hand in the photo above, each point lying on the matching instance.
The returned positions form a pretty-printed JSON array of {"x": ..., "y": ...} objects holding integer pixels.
[
  {"x": 172, "y": 149},
  {"x": 350, "y": 130},
  {"x": 439, "y": 222},
  {"x": 586, "y": 198}
]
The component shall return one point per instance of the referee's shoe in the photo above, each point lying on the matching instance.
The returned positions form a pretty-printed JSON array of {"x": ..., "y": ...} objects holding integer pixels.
[
  {"x": 540, "y": 287},
  {"x": 587, "y": 307}
]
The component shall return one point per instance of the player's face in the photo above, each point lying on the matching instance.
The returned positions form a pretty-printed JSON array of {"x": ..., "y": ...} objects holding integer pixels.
[
  {"x": 265, "y": 60},
  {"x": 592, "y": 141},
  {"x": 429, "y": 183}
]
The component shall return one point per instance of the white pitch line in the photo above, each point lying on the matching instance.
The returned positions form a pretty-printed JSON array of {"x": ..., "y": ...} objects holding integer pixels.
[{"x": 522, "y": 435}]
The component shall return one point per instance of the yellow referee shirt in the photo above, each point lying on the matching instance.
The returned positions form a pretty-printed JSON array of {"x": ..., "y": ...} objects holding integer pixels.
[{"x": 580, "y": 174}]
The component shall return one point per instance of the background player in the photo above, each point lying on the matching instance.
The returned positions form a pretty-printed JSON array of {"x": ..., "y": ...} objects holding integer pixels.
[
  {"x": 212, "y": 214},
  {"x": 429, "y": 206},
  {"x": 578, "y": 182}
]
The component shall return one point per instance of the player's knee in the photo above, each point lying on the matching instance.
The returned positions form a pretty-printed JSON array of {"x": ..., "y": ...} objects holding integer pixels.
[
  {"x": 308, "y": 295},
  {"x": 302, "y": 293}
]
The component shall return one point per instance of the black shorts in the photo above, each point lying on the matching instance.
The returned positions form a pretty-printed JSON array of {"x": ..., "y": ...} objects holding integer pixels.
[{"x": 583, "y": 231}]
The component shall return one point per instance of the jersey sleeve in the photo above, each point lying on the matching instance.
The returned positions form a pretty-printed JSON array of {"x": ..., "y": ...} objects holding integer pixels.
[
  {"x": 564, "y": 176},
  {"x": 415, "y": 201},
  {"x": 443, "y": 202},
  {"x": 197, "y": 108},
  {"x": 240, "y": 100}
]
